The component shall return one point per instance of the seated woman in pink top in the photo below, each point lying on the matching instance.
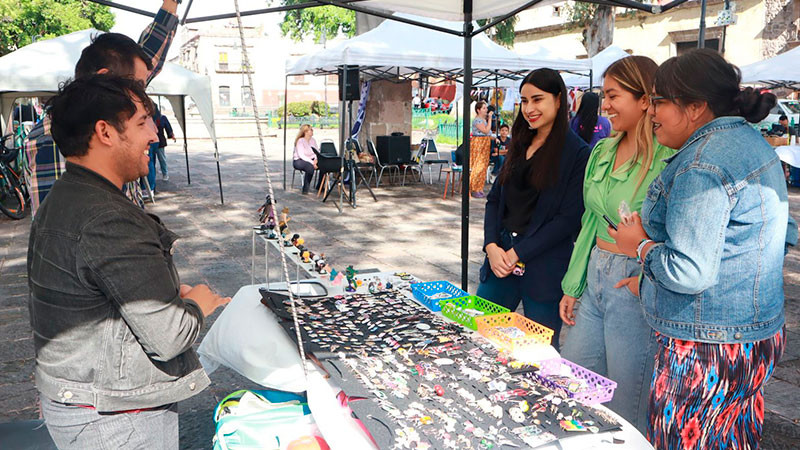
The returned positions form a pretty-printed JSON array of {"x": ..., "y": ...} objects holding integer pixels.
[{"x": 304, "y": 157}]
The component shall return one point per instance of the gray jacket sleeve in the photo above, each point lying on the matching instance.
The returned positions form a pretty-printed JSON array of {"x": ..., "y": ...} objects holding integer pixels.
[{"x": 127, "y": 262}]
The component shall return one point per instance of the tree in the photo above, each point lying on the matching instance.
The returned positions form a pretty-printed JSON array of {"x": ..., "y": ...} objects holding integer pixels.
[
  {"x": 321, "y": 21},
  {"x": 503, "y": 32},
  {"x": 597, "y": 22},
  {"x": 23, "y": 21}
]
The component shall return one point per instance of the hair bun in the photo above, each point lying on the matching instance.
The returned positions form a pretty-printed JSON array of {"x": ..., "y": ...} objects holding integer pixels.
[{"x": 754, "y": 106}]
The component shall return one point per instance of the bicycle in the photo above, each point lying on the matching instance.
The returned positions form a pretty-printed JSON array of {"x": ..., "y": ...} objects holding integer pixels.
[{"x": 13, "y": 201}]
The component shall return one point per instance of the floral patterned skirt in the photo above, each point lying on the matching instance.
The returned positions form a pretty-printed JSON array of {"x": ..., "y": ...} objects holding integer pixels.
[{"x": 707, "y": 396}]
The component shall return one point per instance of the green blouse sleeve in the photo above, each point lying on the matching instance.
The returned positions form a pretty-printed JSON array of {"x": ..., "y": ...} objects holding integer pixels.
[{"x": 574, "y": 281}]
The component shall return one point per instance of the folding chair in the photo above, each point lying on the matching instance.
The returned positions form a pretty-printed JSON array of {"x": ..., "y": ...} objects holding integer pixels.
[
  {"x": 432, "y": 157},
  {"x": 451, "y": 172},
  {"x": 382, "y": 167}
]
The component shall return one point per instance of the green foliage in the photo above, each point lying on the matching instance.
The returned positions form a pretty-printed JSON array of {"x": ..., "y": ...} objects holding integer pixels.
[
  {"x": 503, "y": 32},
  {"x": 328, "y": 21},
  {"x": 306, "y": 108},
  {"x": 581, "y": 13},
  {"x": 23, "y": 20}
]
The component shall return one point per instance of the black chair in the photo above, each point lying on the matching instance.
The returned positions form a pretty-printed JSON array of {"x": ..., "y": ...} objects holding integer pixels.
[
  {"x": 327, "y": 164},
  {"x": 382, "y": 167},
  {"x": 432, "y": 157},
  {"x": 352, "y": 144}
]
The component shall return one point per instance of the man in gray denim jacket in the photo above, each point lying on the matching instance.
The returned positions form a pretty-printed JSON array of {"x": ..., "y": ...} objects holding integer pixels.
[{"x": 113, "y": 326}]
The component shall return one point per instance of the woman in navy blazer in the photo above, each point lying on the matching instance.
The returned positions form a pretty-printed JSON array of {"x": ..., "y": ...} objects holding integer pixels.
[{"x": 534, "y": 209}]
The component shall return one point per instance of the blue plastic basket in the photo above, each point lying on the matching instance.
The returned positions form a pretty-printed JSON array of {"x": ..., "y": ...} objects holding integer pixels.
[{"x": 430, "y": 293}]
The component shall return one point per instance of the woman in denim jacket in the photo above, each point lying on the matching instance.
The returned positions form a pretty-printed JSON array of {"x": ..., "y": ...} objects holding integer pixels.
[{"x": 711, "y": 242}]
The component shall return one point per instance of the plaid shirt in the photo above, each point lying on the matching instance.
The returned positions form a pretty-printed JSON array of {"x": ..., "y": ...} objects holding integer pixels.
[{"x": 45, "y": 163}]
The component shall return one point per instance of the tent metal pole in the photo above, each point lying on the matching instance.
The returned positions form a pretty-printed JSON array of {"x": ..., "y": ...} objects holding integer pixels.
[
  {"x": 465, "y": 130},
  {"x": 342, "y": 125},
  {"x": 219, "y": 174},
  {"x": 285, "y": 123},
  {"x": 591, "y": 79},
  {"x": 185, "y": 141}
]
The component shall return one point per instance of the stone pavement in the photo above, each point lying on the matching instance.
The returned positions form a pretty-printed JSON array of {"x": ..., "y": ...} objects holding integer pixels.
[{"x": 409, "y": 229}]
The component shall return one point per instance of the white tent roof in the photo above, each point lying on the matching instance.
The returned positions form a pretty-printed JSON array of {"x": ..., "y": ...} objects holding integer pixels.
[
  {"x": 39, "y": 68},
  {"x": 600, "y": 63},
  {"x": 399, "y": 45},
  {"x": 778, "y": 70},
  {"x": 451, "y": 9}
]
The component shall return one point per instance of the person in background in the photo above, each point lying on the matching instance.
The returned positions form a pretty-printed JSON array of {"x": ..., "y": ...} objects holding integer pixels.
[
  {"x": 783, "y": 125},
  {"x": 164, "y": 131},
  {"x": 711, "y": 241},
  {"x": 590, "y": 126},
  {"x": 610, "y": 335},
  {"x": 479, "y": 148},
  {"x": 108, "y": 53},
  {"x": 304, "y": 158},
  {"x": 533, "y": 211},
  {"x": 113, "y": 326},
  {"x": 499, "y": 150}
]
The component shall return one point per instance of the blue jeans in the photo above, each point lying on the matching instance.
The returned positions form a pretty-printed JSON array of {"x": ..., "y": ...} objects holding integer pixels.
[
  {"x": 611, "y": 336},
  {"x": 498, "y": 163},
  {"x": 151, "y": 174},
  {"x": 507, "y": 292},
  {"x": 162, "y": 159},
  {"x": 74, "y": 427}
]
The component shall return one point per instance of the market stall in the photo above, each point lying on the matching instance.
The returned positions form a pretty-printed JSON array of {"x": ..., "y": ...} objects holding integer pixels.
[{"x": 38, "y": 69}]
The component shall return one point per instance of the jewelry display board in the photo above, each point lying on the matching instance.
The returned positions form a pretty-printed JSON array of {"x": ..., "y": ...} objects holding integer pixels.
[{"x": 418, "y": 381}]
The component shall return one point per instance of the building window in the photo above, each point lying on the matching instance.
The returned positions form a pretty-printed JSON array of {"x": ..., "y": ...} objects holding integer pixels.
[
  {"x": 247, "y": 100},
  {"x": 223, "y": 61},
  {"x": 683, "y": 47},
  {"x": 556, "y": 11},
  {"x": 224, "y": 96}
]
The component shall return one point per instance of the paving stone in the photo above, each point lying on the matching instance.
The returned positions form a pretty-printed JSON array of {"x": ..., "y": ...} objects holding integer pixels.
[{"x": 780, "y": 397}]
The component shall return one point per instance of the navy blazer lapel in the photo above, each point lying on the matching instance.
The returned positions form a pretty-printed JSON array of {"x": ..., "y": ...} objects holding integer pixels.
[{"x": 548, "y": 197}]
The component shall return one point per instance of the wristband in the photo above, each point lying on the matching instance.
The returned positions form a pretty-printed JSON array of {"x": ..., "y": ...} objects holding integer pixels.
[{"x": 639, "y": 249}]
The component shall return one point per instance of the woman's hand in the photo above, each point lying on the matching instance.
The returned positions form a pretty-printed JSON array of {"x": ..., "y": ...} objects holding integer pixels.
[
  {"x": 628, "y": 236},
  {"x": 511, "y": 256},
  {"x": 498, "y": 261},
  {"x": 566, "y": 309},
  {"x": 632, "y": 283}
]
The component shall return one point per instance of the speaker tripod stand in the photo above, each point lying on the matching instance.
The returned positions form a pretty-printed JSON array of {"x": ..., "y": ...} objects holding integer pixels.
[{"x": 356, "y": 179}]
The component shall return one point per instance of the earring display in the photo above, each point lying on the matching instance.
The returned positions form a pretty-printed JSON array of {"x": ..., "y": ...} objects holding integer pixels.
[{"x": 418, "y": 381}]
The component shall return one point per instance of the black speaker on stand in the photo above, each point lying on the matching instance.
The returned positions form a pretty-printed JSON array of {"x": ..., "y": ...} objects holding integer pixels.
[{"x": 353, "y": 89}]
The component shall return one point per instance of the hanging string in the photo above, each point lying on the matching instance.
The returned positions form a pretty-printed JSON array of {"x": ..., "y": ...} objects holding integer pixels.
[{"x": 284, "y": 264}]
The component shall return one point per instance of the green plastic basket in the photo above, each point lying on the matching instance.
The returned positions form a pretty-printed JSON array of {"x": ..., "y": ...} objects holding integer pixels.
[{"x": 454, "y": 308}]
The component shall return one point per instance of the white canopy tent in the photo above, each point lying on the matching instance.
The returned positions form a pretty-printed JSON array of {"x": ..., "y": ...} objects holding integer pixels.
[
  {"x": 407, "y": 48},
  {"x": 38, "y": 69},
  {"x": 778, "y": 71},
  {"x": 600, "y": 62}
]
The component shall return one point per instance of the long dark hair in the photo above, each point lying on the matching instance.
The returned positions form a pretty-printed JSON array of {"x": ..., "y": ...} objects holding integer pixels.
[
  {"x": 703, "y": 75},
  {"x": 545, "y": 172},
  {"x": 587, "y": 115}
]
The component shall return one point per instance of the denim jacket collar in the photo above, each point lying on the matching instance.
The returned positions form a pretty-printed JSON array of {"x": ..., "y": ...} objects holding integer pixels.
[{"x": 715, "y": 125}]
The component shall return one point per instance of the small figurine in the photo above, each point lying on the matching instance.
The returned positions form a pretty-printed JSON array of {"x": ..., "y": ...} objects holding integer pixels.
[
  {"x": 338, "y": 279},
  {"x": 351, "y": 279},
  {"x": 373, "y": 289},
  {"x": 380, "y": 286},
  {"x": 283, "y": 225},
  {"x": 333, "y": 274},
  {"x": 388, "y": 285},
  {"x": 320, "y": 265},
  {"x": 306, "y": 258}
]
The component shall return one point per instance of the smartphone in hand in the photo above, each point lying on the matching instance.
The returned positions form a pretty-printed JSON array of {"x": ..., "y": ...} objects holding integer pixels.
[{"x": 610, "y": 222}]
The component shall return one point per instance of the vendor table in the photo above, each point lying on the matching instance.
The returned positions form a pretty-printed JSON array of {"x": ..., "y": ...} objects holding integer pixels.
[{"x": 248, "y": 338}]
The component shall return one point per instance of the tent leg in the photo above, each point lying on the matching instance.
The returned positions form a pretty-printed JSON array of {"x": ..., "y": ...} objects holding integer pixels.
[
  {"x": 285, "y": 124},
  {"x": 219, "y": 174},
  {"x": 466, "y": 129},
  {"x": 185, "y": 142}
]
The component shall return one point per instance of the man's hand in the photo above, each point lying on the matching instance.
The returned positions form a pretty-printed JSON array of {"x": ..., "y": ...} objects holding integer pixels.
[
  {"x": 205, "y": 299},
  {"x": 174, "y": 140},
  {"x": 498, "y": 261},
  {"x": 566, "y": 309},
  {"x": 629, "y": 235}
]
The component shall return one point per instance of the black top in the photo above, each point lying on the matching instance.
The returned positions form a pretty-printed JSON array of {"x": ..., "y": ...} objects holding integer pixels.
[{"x": 521, "y": 197}]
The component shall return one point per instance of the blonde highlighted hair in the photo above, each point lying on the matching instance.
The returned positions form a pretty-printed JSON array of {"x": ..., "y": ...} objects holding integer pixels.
[
  {"x": 302, "y": 133},
  {"x": 636, "y": 74}
]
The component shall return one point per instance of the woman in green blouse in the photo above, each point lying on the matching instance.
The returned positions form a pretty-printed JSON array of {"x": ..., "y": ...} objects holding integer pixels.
[{"x": 610, "y": 335}]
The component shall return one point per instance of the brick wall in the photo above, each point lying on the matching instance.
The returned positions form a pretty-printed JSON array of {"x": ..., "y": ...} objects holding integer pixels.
[{"x": 388, "y": 109}]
